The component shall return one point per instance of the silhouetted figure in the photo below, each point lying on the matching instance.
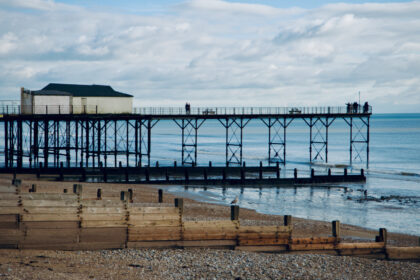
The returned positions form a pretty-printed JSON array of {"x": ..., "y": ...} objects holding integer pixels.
[
  {"x": 366, "y": 108},
  {"x": 187, "y": 108},
  {"x": 348, "y": 108},
  {"x": 355, "y": 105}
]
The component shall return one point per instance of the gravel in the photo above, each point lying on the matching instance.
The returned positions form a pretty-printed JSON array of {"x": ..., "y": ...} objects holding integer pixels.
[{"x": 194, "y": 264}]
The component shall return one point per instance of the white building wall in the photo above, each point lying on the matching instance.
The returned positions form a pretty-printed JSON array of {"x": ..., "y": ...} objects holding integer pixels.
[
  {"x": 51, "y": 104},
  {"x": 103, "y": 105},
  {"x": 25, "y": 102}
]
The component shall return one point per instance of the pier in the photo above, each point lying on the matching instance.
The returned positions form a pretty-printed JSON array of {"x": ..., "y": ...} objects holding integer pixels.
[{"x": 52, "y": 139}]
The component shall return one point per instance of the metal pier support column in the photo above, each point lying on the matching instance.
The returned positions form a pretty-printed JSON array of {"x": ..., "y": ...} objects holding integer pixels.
[
  {"x": 189, "y": 129},
  {"x": 359, "y": 138},
  {"x": 277, "y": 139},
  {"x": 145, "y": 138},
  {"x": 234, "y": 136},
  {"x": 318, "y": 141}
]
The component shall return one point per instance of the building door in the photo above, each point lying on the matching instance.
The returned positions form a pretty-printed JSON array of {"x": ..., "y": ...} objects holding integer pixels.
[{"x": 84, "y": 105}]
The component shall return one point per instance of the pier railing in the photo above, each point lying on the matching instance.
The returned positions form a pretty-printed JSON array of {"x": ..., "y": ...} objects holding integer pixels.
[{"x": 207, "y": 111}]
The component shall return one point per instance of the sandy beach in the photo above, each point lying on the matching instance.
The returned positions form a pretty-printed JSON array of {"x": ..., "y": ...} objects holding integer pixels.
[{"x": 200, "y": 263}]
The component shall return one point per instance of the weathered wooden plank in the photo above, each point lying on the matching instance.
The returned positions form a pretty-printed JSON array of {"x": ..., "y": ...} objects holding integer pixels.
[
  {"x": 208, "y": 243},
  {"x": 153, "y": 210},
  {"x": 104, "y": 210},
  {"x": 49, "y": 196},
  {"x": 50, "y": 225},
  {"x": 304, "y": 247},
  {"x": 9, "y": 225},
  {"x": 50, "y": 236},
  {"x": 74, "y": 246},
  {"x": 9, "y": 218},
  {"x": 196, "y": 230},
  {"x": 273, "y": 248},
  {"x": 8, "y": 236},
  {"x": 212, "y": 236},
  {"x": 9, "y": 203},
  {"x": 365, "y": 253},
  {"x": 103, "y": 217},
  {"x": 139, "y": 223},
  {"x": 48, "y": 217},
  {"x": 154, "y": 217},
  {"x": 50, "y": 203},
  {"x": 403, "y": 253},
  {"x": 153, "y": 244},
  {"x": 50, "y": 210},
  {"x": 154, "y": 237},
  {"x": 264, "y": 229},
  {"x": 7, "y": 189},
  {"x": 10, "y": 210},
  {"x": 367, "y": 245},
  {"x": 115, "y": 234},
  {"x": 269, "y": 235},
  {"x": 154, "y": 230},
  {"x": 103, "y": 203},
  {"x": 88, "y": 224},
  {"x": 208, "y": 224},
  {"x": 9, "y": 196},
  {"x": 315, "y": 240},
  {"x": 265, "y": 241}
]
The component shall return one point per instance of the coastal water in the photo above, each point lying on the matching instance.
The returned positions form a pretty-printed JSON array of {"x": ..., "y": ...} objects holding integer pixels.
[{"x": 392, "y": 198}]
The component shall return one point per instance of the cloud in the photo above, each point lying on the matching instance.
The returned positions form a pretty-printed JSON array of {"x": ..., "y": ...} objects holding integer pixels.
[{"x": 218, "y": 53}]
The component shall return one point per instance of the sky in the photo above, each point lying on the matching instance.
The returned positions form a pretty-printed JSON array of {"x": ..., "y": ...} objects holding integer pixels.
[{"x": 218, "y": 53}]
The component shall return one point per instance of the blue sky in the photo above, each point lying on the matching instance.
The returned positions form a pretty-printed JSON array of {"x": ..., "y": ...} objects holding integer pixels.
[{"x": 218, "y": 53}]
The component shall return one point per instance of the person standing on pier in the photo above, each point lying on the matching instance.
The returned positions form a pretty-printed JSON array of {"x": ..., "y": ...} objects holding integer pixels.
[{"x": 187, "y": 108}]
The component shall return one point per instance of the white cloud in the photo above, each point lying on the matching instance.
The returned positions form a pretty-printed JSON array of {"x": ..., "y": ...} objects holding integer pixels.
[{"x": 219, "y": 53}]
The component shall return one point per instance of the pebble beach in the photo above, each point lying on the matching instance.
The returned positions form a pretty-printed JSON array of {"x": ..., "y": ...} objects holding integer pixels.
[{"x": 204, "y": 263}]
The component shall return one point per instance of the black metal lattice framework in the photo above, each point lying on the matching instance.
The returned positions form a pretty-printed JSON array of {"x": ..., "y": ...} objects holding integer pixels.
[
  {"x": 234, "y": 139},
  {"x": 189, "y": 129},
  {"x": 277, "y": 139},
  {"x": 359, "y": 139},
  {"x": 32, "y": 141},
  {"x": 318, "y": 138}
]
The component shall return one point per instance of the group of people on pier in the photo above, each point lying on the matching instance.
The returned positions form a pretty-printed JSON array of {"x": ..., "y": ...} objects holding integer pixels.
[{"x": 356, "y": 107}]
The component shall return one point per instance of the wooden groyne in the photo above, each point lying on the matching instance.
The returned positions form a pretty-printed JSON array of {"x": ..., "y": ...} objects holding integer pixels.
[
  {"x": 91, "y": 220},
  {"x": 252, "y": 176}
]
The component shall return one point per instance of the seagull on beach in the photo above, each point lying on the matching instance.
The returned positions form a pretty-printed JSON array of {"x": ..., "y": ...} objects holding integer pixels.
[{"x": 235, "y": 200}]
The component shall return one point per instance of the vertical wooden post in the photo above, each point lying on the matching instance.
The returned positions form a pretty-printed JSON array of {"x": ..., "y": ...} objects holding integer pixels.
[
  {"x": 130, "y": 195},
  {"x": 33, "y": 188},
  {"x": 205, "y": 174},
  {"x": 287, "y": 220},
  {"x": 224, "y": 174},
  {"x": 261, "y": 170},
  {"x": 179, "y": 203},
  {"x": 362, "y": 172},
  {"x": 278, "y": 170},
  {"x": 175, "y": 163},
  {"x": 122, "y": 195},
  {"x": 160, "y": 192},
  {"x": 345, "y": 171},
  {"x": 383, "y": 235},
  {"x": 336, "y": 228},
  {"x": 99, "y": 194},
  {"x": 312, "y": 173},
  {"x": 64, "y": 190},
  {"x": 234, "y": 212},
  {"x": 242, "y": 175},
  {"x": 329, "y": 171},
  {"x": 187, "y": 175},
  {"x": 147, "y": 174}
]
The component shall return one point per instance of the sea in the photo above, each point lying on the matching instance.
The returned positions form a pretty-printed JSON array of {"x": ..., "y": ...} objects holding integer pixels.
[{"x": 390, "y": 198}]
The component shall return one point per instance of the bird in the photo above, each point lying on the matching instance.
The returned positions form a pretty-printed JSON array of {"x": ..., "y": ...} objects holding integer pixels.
[{"x": 235, "y": 200}]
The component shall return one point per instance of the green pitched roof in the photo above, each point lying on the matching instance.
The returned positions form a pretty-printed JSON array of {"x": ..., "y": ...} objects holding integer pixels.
[{"x": 82, "y": 90}]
